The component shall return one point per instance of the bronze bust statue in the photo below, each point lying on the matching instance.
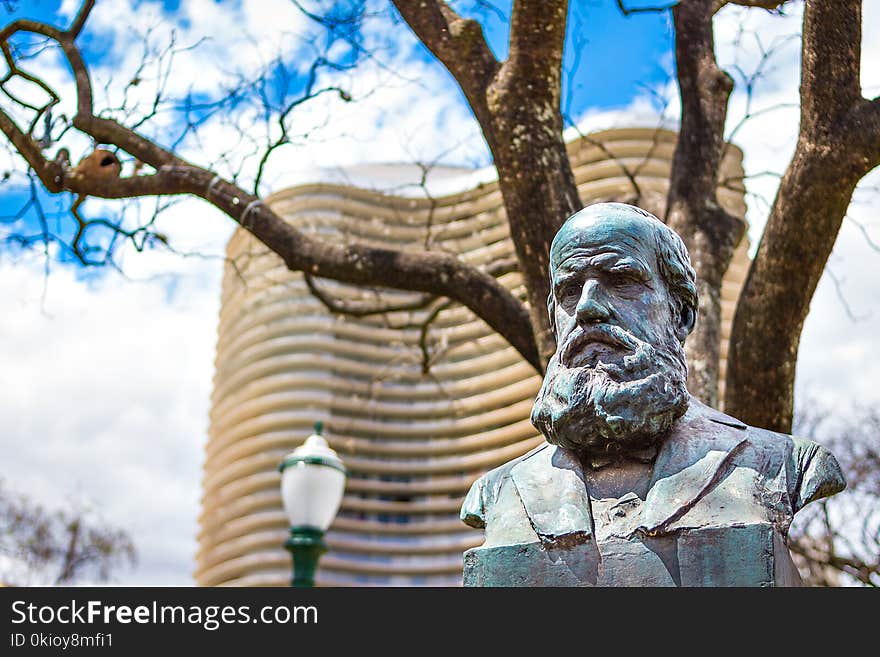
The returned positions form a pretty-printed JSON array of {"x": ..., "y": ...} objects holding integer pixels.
[{"x": 638, "y": 484}]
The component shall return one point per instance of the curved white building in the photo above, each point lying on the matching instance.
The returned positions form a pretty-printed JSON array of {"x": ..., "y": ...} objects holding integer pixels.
[{"x": 419, "y": 401}]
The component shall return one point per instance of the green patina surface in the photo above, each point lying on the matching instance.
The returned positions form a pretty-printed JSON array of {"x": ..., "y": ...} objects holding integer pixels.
[{"x": 753, "y": 555}]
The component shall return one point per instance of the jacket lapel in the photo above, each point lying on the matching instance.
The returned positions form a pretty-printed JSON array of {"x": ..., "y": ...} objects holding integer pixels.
[
  {"x": 694, "y": 459},
  {"x": 551, "y": 486}
]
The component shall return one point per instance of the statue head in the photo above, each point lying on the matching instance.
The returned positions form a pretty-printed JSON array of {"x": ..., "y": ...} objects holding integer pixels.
[{"x": 623, "y": 298}]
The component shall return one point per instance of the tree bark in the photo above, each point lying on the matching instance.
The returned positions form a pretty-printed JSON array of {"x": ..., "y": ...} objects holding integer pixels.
[
  {"x": 838, "y": 143},
  {"x": 534, "y": 171}
]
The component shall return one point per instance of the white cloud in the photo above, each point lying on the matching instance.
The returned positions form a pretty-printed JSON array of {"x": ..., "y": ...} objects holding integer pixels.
[
  {"x": 404, "y": 109},
  {"x": 237, "y": 38},
  {"x": 106, "y": 387}
]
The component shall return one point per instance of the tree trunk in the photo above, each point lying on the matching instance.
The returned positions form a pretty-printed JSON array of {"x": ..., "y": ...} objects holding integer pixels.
[
  {"x": 517, "y": 105},
  {"x": 710, "y": 233},
  {"x": 838, "y": 143},
  {"x": 538, "y": 186},
  {"x": 803, "y": 225}
]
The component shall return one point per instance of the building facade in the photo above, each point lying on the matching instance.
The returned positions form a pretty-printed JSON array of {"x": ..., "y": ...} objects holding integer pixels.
[{"x": 419, "y": 400}]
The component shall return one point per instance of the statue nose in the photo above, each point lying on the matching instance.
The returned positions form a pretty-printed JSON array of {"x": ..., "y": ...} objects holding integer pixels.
[{"x": 591, "y": 309}]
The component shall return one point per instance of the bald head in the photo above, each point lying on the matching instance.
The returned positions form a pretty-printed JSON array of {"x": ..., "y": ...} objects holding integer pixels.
[{"x": 638, "y": 235}]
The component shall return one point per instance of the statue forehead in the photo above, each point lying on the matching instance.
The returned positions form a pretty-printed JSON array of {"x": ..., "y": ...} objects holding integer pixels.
[{"x": 614, "y": 226}]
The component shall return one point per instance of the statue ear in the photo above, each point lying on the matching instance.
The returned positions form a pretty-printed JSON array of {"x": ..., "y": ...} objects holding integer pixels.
[
  {"x": 686, "y": 322},
  {"x": 551, "y": 311}
]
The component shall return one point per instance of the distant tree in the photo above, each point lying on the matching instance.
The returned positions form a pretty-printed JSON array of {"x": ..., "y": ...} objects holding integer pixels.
[
  {"x": 836, "y": 540},
  {"x": 60, "y": 546}
]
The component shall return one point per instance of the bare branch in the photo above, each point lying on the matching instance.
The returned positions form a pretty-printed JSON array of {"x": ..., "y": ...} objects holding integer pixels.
[
  {"x": 501, "y": 267},
  {"x": 628, "y": 11},
  {"x": 80, "y": 20},
  {"x": 870, "y": 242},
  {"x": 50, "y": 172},
  {"x": 428, "y": 358},
  {"x": 431, "y": 273},
  {"x": 15, "y": 71},
  {"x": 460, "y": 46},
  {"x": 838, "y": 283},
  {"x": 340, "y": 307}
]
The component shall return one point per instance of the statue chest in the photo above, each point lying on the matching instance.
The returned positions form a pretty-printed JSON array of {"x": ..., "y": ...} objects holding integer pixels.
[
  {"x": 747, "y": 555},
  {"x": 726, "y": 539}
]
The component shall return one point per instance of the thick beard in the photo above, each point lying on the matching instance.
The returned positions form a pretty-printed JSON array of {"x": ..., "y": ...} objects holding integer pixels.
[{"x": 607, "y": 411}]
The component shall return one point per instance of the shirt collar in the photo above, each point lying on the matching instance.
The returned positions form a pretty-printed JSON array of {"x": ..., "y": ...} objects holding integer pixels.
[{"x": 646, "y": 455}]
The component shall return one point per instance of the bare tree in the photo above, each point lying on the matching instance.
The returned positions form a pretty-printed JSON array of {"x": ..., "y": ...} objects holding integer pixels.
[
  {"x": 59, "y": 546},
  {"x": 517, "y": 104},
  {"x": 837, "y": 540},
  {"x": 838, "y": 144}
]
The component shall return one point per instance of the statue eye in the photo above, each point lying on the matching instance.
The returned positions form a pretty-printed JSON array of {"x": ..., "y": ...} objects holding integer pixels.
[
  {"x": 568, "y": 289},
  {"x": 626, "y": 276}
]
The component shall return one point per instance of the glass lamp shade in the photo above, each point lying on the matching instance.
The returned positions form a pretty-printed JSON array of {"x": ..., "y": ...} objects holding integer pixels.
[{"x": 312, "y": 483}]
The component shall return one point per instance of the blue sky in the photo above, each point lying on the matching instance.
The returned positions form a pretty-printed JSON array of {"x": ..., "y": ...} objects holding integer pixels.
[
  {"x": 127, "y": 361},
  {"x": 639, "y": 48}
]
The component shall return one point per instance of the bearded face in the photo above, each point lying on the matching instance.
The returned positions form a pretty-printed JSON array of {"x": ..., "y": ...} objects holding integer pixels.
[
  {"x": 617, "y": 381},
  {"x": 607, "y": 393}
]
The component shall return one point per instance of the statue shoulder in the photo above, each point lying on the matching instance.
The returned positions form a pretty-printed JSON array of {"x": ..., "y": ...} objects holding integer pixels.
[
  {"x": 819, "y": 473},
  {"x": 483, "y": 491},
  {"x": 812, "y": 470},
  {"x": 809, "y": 470}
]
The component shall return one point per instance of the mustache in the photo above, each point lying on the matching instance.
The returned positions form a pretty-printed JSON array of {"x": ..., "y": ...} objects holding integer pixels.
[{"x": 610, "y": 334}]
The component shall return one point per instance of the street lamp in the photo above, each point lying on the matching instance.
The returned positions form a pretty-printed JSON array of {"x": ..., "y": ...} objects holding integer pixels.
[{"x": 312, "y": 483}]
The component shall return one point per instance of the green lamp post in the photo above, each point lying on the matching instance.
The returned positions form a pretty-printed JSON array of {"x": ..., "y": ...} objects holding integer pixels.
[{"x": 312, "y": 483}]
